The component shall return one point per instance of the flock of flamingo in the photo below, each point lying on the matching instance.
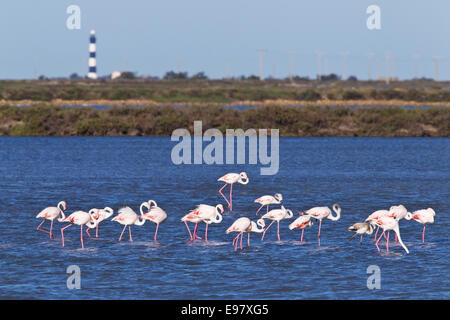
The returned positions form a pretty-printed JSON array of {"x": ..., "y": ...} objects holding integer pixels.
[{"x": 386, "y": 220}]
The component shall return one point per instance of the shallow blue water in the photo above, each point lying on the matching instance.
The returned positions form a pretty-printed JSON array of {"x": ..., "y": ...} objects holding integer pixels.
[{"x": 361, "y": 174}]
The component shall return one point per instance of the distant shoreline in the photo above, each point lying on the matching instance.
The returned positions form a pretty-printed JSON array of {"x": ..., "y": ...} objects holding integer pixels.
[
  {"x": 151, "y": 107},
  {"x": 224, "y": 92},
  {"x": 280, "y": 102},
  {"x": 161, "y": 120}
]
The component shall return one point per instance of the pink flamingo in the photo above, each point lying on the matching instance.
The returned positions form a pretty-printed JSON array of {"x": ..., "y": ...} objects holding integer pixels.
[
  {"x": 423, "y": 216},
  {"x": 210, "y": 214},
  {"x": 206, "y": 213},
  {"x": 230, "y": 179},
  {"x": 398, "y": 212},
  {"x": 155, "y": 214},
  {"x": 320, "y": 213},
  {"x": 301, "y": 222},
  {"x": 374, "y": 216},
  {"x": 268, "y": 200},
  {"x": 52, "y": 213},
  {"x": 100, "y": 215},
  {"x": 387, "y": 224},
  {"x": 80, "y": 218},
  {"x": 277, "y": 215},
  {"x": 193, "y": 218},
  {"x": 128, "y": 217},
  {"x": 242, "y": 225}
]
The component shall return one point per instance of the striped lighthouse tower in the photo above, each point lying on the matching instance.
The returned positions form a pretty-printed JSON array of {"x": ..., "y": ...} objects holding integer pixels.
[{"x": 92, "y": 74}]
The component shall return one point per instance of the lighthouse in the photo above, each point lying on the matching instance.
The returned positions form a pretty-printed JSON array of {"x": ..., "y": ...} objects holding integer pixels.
[{"x": 92, "y": 74}]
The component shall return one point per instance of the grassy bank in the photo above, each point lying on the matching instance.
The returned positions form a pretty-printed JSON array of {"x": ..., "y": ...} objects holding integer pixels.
[
  {"x": 222, "y": 91},
  {"x": 158, "y": 120}
]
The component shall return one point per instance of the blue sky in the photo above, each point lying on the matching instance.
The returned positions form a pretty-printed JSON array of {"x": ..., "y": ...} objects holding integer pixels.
[{"x": 152, "y": 37}]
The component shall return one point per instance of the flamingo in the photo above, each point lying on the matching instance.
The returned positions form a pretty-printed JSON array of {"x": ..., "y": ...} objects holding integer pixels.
[
  {"x": 206, "y": 213},
  {"x": 268, "y": 200},
  {"x": 209, "y": 214},
  {"x": 230, "y": 179},
  {"x": 360, "y": 228},
  {"x": 128, "y": 217},
  {"x": 374, "y": 216},
  {"x": 422, "y": 216},
  {"x": 301, "y": 223},
  {"x": 100, "y": 215},
  {"x": 242, "y": 225},
  {"x": 193, "y": 218},
  {"x": 387, "y": 224},
  {"x": 52, "y": 213},
  {"x": 277, "y": 215},
  {"x": 320, "y": 213},
  {"x": 398, "y": 212},
  {"x": 80, "y": 218},
  {"x": 155, "y": 214},
  {"x": 260, "y": 223}
]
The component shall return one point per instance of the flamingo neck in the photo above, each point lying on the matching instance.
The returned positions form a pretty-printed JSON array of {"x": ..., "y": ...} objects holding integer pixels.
[
  {"x": 92, "y": 223},
  {"x": 397, "y": 231},
  {"x": 139, "y": 221},
  {"x": 243, "y": 181},
  {"x": 218, "y": 218},
  {"x": 61, "y": 211},
  {"x": 337, "y": 210},
  {"x": 143, "y": 204},
  {"x": 152, "y": 202},
  {"x": 218, "y": 209},
  {"x": 259, "y": 223}
]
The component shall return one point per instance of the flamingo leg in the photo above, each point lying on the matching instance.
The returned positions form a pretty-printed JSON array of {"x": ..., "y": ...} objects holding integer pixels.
[
  {"x": 264, "y": 232},
  {"x": 206, "y": 233},
  {"x": 268, "y": 208},
  {"x": 220, "y": 191},
  {"x": 156, "y": 232},
  {"x": 43, "y": 230},
  {"x": 387, "y": 238},
  {"x": 195, "y": 232},
  {"x": 259, "y": 209},
  {"x": 129, "y": 231},
  {"x": 96, "y": 231},
  {"x": 231, "y": 197},
  {"x": 376, "y": 243},
  {"x": 278, "y": 230},
  {"x": 396, "y": 238},
  {"x": 387, "y": 243},
  {"x": 423, "y": 233},
  {"x": 360, "y": 241},
  {"x": 318, "y": 235},
  {"x": 301, "y": 238},
  {"x": 235, "y": 240},
  {"x": 242, "y": 234},
  {"x": 248, "y": 239},
  {"x": 123, "y": 230},
  {"x": 51, "y": 228},
  {"x": 187, "y": 227},
  {"x": 39, "y": 226},
  {"x": 376, "y": 232},
  {"x": 62, "y": 233},
  {"x": 81, "y": 236},
  {"x": 87, "y": 232}
]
